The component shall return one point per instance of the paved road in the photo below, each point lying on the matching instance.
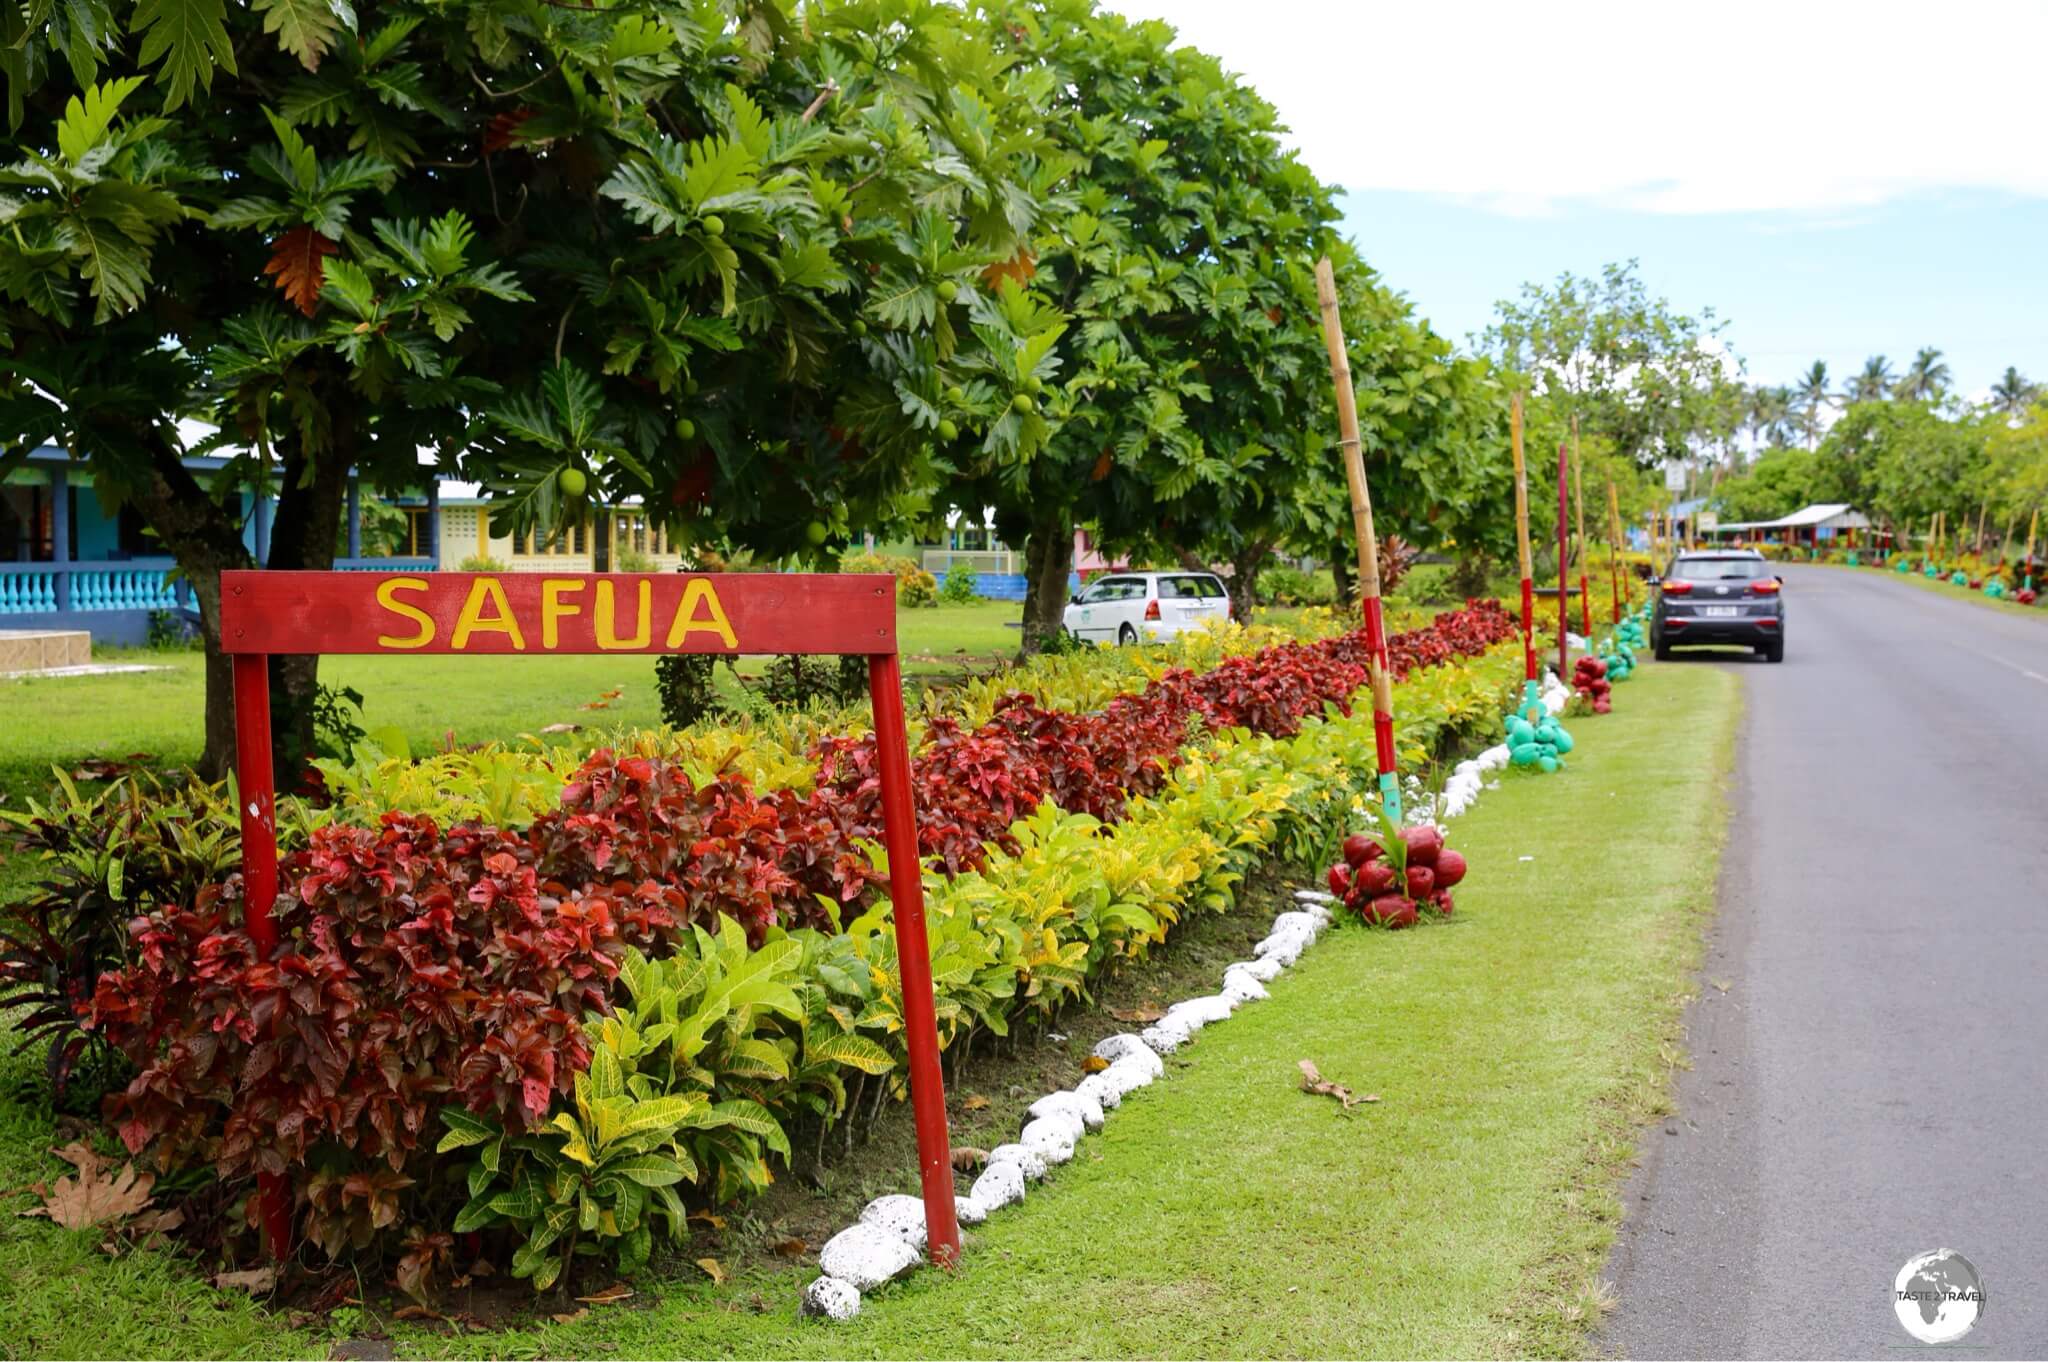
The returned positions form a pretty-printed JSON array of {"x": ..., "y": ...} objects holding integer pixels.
[{"x": 1873, "y": 1081}]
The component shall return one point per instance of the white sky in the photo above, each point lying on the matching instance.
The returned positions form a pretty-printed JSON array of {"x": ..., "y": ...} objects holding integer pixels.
[{"x": 1812, "y": 108}]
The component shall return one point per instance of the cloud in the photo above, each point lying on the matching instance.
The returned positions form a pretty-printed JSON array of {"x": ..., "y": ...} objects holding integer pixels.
[{"x": 1743, "y": 106}]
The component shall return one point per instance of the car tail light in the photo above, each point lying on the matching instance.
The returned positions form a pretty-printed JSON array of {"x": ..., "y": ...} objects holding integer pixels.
[
  {"x": 1677, "y": 588},
  {"x": 1764, "y": 586},
  {"x": 1151, "y": 610}
]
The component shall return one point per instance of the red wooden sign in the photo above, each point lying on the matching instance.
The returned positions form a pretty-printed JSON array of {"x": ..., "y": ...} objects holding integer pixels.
[{"x": 266, "y": 613}]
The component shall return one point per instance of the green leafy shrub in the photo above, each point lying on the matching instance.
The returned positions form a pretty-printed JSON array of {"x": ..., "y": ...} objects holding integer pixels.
[
  {"x": 1292, "y": 587},
  {"x": 103, "y": 859},
  {"x": 687, "y": 685},
  {"x": 626, "y": 559},
  {"x": 795, "y": 681},
  {"x": 958, "y": 587},
  {"x": 481, "y": 562}
]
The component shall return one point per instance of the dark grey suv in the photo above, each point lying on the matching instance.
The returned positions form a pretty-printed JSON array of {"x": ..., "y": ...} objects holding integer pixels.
[{"x": 1722, "y": 596}]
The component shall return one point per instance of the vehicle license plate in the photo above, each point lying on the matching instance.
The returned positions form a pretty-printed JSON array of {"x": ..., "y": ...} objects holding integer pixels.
[{"x": 1720, "y": 612}]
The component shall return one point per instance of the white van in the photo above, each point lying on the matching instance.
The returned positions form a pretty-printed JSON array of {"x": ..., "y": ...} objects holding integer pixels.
[{"x": 1124, "y": 607}]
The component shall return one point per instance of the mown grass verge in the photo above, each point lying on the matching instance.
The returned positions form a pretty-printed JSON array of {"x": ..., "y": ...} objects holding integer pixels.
[
  {"x": 1942, "y": 586},
  {"x": 1467, "y": 1213}
]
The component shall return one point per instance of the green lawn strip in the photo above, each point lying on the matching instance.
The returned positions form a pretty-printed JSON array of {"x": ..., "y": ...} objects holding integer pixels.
[
  {"x": 1468, "y": 1213},
  {"x": 1942, "y": 586}
]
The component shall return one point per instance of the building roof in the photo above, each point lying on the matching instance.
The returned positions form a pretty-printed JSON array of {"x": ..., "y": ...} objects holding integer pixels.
[{"x": 1828, "y": 515}]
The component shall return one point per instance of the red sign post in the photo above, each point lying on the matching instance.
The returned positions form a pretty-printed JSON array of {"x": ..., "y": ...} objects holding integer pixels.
[{"x": 267, "y": 613}]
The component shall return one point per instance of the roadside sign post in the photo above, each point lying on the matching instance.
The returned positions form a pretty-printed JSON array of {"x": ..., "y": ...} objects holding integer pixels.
[
  {"x": 266, "y": 614},
  {"x": 1380, "y": 665}
]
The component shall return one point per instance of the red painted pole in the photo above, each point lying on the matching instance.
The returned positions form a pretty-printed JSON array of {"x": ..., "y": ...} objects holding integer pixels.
[
  {"x": 1564, "y": 566},
  {"x": 914, "y": 958},
  {"x": 253, "y": 780}
]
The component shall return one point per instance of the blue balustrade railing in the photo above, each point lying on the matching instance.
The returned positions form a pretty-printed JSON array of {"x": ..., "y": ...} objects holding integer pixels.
[{"x": 137, "y": 584}]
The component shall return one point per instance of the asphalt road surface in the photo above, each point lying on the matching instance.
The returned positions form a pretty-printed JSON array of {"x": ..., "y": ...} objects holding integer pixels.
[{"x": 1870, "y": 1044}]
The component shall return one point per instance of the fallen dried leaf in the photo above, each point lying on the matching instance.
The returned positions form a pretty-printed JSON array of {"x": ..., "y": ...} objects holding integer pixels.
[
  {"x": 1094, "y": 1064},
  {"x": 716, "y": 1222},
  {"x": 967, "y": 1158},
  {"x": 1136, "y": 1014},
  {"x": 617, "y": 1291},
  {"x": 571, "y": 1317},
  {"x": 563, "y": 728},
  {"x": 157, "y": 1222},
  {"x": 419, "y": 1312},
  {"x": 257, "y": 1281},
  {"x": 713, "y": 1270},
  {"x": 1312, "y": 1081},
  {"x": 797, "y": 1248},
  {"x": 974, "y": 1101},
  {"x": 94, "y": 1196}
]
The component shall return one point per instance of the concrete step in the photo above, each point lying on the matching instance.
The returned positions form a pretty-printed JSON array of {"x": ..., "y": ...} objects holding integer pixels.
[{"x": 36, "y": 650}]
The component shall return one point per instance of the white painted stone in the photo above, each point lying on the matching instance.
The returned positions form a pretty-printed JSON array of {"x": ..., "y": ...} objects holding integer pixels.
[
  {"x": 1087, "y": 1109},
  {"x": 830, "y": 1298},
  {"x": 1166, "y": 1035},
  {"x": 1493, "y": 758},
  {"x": 1000, "y": 1185},
  {"x": 865, "y": 1256},
  {"x": 1199, "y": 1012},
  {"x": 902, "y": 1216},
  {"x": 1029, "y": 1161},
  {"x": 1297, "y": 921},
  {"x": 1145, "y": 1061},
  {"x": 1313, "y": 896},
  {"x": 1265, "y": 969},
  {"x": 1241, "y": 987},
  {"x": 1114, "y": 1048},
  {"x": 1066, "y": 1118},
  {"x": 1105, "y": 1094},
  {"x": 1286, "y": 947},
  {"x": 1133, "y": 1073},
  {"x": 1053, "y": 1139},
  {"x": 968, "y": 1211}
]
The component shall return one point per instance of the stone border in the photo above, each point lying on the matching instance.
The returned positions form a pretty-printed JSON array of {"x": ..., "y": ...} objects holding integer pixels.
[{"x": 888, "y": 1241}]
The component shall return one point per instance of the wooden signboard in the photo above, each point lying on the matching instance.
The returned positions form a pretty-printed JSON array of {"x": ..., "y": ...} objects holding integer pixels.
[{"x": 274, "y": 613}]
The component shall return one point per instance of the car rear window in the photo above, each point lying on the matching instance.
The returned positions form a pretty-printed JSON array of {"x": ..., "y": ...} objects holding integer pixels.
[{"x": 1718, "y": 569}]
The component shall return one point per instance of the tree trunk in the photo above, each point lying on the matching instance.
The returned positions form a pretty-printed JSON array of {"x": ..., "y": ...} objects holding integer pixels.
[
  {"x": 312, "y": 491},
  {"x": 1340, "y": 569},
  {"x": 1048, "y": 561},
  {"x": 1244, "y": 578},
  {"x": 206, "y": 541}
]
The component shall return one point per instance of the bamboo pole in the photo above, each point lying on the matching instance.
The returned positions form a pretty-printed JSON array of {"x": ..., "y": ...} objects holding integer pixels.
[
  {"x": 1579, "y": 507},
  {"x": 1614, "y": 546},
  {"x": 1378, "y": 665},
  {"x": 2032, "y": 525},
  {"x": 1564, "y": 567},
  {"x": 1979, "y": 541},
  {"x": 1522, "y": 545}
]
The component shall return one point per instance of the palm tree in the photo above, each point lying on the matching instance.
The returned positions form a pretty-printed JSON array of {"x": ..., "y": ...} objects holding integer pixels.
[
  {"x": 1770, "y": 414},
  {"x": 1926, "y": 378},
  {"x": 2012, "y": 394},
  {"x": 1874, "y": 384},
  {"x": 1811, "y": 400}
]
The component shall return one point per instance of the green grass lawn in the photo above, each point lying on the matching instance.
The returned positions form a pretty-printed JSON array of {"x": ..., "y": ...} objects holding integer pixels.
[
  {"x": 1222, "y": 1212},
  {"x": 59, "y": 720},
  {"x": 1942, "y": 586}
]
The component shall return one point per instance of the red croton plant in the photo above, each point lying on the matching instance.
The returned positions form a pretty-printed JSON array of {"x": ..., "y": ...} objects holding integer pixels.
[{"x": 418, "y": 968}]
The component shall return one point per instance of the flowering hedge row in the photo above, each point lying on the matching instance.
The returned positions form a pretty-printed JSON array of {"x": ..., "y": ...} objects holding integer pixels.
[{"x": 424, "y": 970}]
